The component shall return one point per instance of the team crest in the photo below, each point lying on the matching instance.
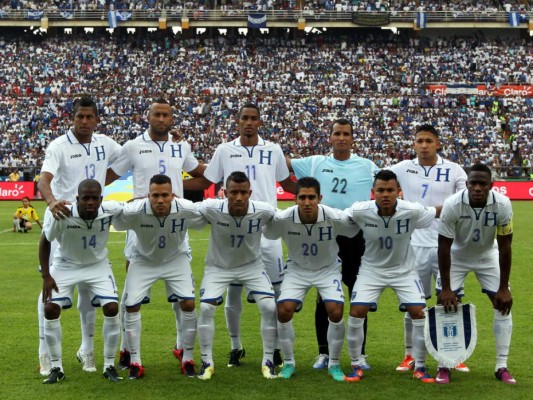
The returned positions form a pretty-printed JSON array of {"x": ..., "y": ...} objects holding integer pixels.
[{"x": 451, "y": 337}]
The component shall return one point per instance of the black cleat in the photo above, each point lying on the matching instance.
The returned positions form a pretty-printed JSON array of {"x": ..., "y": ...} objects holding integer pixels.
[
  {"x": 278, "y": 360},
  {"x": 136, "y": 371},
  {"x": 124, "y": 360},
  {"x": 56, "y": 375},
  {"x": 187, "y": 369},
  {"x": 111, "y": 374},
  {"x": 234, "y": 357}
]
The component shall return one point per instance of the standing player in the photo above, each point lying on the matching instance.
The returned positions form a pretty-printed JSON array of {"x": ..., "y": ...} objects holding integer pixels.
[
  {"x": 470, "y": 221},
  {"x": 154, "y": 152},
  {"x": 429, "y": 180},
  {"x": 388, "y": 224},
  {"x": 23, "y": 217},
  {"x": 264, "y": 164},
  {"x": 344, "y": 178},
  {"x": 160, "y": 223},
  {"x": 81, "y": 259},
  {"x": 77, "y": 155},
  {"x": 309, "y": 230},
  {"x": 234, "y": 256}
]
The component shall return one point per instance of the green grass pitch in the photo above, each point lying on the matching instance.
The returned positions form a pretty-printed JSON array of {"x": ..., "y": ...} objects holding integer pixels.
[{"x": 21, "y": 283}]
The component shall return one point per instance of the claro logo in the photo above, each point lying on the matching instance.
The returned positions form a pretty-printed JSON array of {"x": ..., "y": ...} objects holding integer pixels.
[{"x": 14, "y": 192}]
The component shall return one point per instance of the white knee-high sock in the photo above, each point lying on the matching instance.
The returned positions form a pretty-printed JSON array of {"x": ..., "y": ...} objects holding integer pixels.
[
  {"x": 335, "y": 341},
  {"x": 16, "y": 221},
  {"x": 111, "y": 333},
  {"x": 206, "y": 331},
  {"x": 87, "y": 319},
  {"x": 188, "y": 333},
  {"x": 233, "y": 310},
  {"x": 408, "y": 334},
  {"x": 355, "y": 338},
  {"x": 133, "y": 327},
  {"x": 53, "y": 336},
  {"x": 123, "y": 336},
  {"x": 503, "y": 330},
  {"x": 40, "y": 320},
  {"x": 286, "y": 341},
  {"x": 269, "y": 329},
  {"x": 177, "y": 316},
  {"x": 419, "y": 345}
]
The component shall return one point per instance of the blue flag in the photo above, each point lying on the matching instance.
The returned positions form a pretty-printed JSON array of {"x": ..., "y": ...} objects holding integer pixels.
[
  {"x": 112, "y": 19},
  {"x": 123, "y": 15},
  {"x": 514, "y": 19},
  {"x": 35, "y": 15},
  {"x": 67, "y": 14},
  {"x": 256, "y": 21},
  {"x": 421, "y": 20}
]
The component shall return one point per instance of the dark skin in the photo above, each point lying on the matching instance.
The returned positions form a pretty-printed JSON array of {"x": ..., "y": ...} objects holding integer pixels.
[
  {"x": 88, "y": 202},
  {"x": 479, "y": 184}
]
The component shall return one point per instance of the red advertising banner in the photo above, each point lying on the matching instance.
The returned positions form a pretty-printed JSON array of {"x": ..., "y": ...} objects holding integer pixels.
[
  {"x": 506, "y": 90},
  {"x": 515, "y": 190},
  {"x": 16, "y": 190}
]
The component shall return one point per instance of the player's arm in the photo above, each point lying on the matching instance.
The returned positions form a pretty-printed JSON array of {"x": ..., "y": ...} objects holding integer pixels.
[
  {"x": 288, "y": 185},
  {"x": 198, "y": 171},
  {"x": 110, "y": 176},
  {"x": 503, "y": 301},
  {"x": 289, "y": 164},
  {"x": 49, "y": 284},
  {"x": 58, "y": 208},
  {"x": 447, "y": 297},
  {"x": 197, "y": 182}
]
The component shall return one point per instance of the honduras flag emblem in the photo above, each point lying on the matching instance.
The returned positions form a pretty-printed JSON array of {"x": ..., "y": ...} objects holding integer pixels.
[
  {"x": 451, "y": 337},
  {"x": 256, "y": 21}
]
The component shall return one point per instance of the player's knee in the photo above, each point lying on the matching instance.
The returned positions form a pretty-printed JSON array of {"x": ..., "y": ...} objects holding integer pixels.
[
  {"x": 417, "y": 313},
  {"x": 284, "y": 314},
  {"x": 267, "y": 306},
  {"x": 133, "y": 309},
  {"x": 52, "y": 311},
  {"x": 335, "y": 315},
  {"x": 187, "y": 305},
  {"x": 110, "y": 309},
  {"x": 358, "y": 312}
]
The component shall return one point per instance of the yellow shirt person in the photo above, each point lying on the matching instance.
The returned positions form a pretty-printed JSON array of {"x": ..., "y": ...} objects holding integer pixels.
[{"x": 24, "y": 216}]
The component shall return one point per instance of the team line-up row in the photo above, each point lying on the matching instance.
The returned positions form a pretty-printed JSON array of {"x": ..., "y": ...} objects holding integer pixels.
[{"x": 315, "y": 231}]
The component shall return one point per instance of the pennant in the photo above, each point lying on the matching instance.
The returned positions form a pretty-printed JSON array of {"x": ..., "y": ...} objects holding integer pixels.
[
  {"x": 451, "y": 337},
  {"x": 256, "y": 21},
  {"x": 112, "y": 19}
]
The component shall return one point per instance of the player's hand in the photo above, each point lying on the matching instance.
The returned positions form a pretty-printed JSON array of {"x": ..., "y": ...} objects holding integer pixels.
[
  {"x": 448, "y": 299},
  {"x": 503, "y": 301},
  {"x": 49, "y": 284},
  {"x": 177, "y": 135},
  {"x": 59, "y": 209}
]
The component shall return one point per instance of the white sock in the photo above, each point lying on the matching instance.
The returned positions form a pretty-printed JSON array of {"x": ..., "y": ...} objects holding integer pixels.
[
  {"x": 87, "y": 319},
  {"x": 40, "y": 319},
  {"x": 16, "y": 221},
  {"x": 354, "y": 338},
  {"x": 53, "y": 336},
  {"x": 111, "y": 333},
  {"x": 269, "y": 329},
  {"x": 233, "y": 309},
  {"x": 133, "y": 326},
  {"x": 408, "y": 334},
  {"x": 123, "y": 336},
  {"x": 277, "y": 291},
  {"x": 335, "y": 341},
  {"x": 188, "y": 330},
  {"x": 286, "y": 341},
  {"x": 177, "y": 317},
  {"x": 419, "y": 344},
  {"x": 503, "y": 330},
  {"x": 206, "y": 331}
]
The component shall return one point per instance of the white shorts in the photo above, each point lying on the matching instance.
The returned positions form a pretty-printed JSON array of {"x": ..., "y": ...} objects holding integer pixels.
[
  {"x": 369, "y": 286},
  {"x": 272, "y": 255},
  {"x": 131, "y": 242},
  {"x": 141, "y": 275},
  {"x": 426, "y": 260},
  {"x": 298, "y": 281},
  {"x": 252, "y": 276},
  {"x": 97, "y": 278},
  {"x": 487, "y": 272}
]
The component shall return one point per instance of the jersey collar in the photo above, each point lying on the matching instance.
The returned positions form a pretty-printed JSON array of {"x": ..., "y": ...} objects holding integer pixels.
[{"x": 439, "y": 161}]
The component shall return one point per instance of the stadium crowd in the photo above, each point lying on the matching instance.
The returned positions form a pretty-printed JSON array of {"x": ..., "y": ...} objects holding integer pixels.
[
  {"x": 377, "y": 80},
  {"x": 457, "y": 6}
]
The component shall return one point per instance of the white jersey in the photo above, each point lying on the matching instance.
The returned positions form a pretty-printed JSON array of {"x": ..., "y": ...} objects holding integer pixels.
[
  {"x": 234, "y": 241},
  {"x": 146, "y": 158},
  {"x": 264, "y": 164},
  {"x": 72, "y": 162},
  {"x": 429, "y": 186},
  {"x": 474, "y": 230},
  {"x": 83, "y": 243},
  {"x": 388, "y": 239},
  {"x": 311, "y": 246},
  {"x": 159, "y": 239}
]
